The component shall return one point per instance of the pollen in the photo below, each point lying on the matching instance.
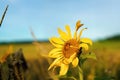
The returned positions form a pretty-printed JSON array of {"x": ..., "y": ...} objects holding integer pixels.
[{"x": 70, "y": 47}]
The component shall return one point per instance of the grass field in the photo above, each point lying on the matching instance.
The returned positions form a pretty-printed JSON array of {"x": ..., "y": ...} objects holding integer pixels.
[{"x": 107, "y": 66}]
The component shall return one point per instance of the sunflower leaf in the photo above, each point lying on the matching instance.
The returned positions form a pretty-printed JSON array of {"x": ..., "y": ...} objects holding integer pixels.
[
  {"x": 89, "y": 55},
  {"x": 82, "y": 61}
]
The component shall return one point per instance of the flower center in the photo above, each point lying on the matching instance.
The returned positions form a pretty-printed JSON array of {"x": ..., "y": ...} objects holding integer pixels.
[{"x": 70, "y": 47}]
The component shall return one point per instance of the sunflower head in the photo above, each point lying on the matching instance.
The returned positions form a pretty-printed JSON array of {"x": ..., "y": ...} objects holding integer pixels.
[
  {"x": 67, "y": 47},
  {"x": 70, "y": 47}
]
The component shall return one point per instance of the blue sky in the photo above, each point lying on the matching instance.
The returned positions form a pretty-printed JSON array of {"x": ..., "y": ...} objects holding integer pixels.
[{"x": 101, "y": 17}]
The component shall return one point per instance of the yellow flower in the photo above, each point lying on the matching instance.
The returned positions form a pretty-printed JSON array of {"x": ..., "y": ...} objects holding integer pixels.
[
  {"x": 67, "y": 48},
  {"x": 4, "y": 57}
]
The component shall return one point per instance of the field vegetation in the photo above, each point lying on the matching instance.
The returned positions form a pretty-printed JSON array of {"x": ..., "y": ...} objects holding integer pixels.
[{"x": 107, "y": 66}]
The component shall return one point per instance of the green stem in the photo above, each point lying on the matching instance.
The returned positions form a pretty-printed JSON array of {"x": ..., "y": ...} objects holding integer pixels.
[
  {"x": 80, "y": 73},
  {"x": 72, "y": 78}
]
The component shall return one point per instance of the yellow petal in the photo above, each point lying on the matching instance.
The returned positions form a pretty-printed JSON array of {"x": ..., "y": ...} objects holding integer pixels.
[
  {"x": 67, "y": 27},
  {"x": 63, "y": 69},
  {"x": 86, "y": 40},
  {"x": 75, "y": 35},
  {"x": 55, "y": 63},
  {"x": 75, "y": 62},
  {"x": 72, "y": 57},
  {"x": 63, "y": 35},
  {"x": 69, "y": 60},
  {"x": 78, "y": 38},
  {"x": 83, "y": 45},
  {"x": 56, "y": 55},
  {"x": 55, "y": 44},
  {"x": 66, "y": 61},
  {"x": 78, "y": 25},
  {"x": 55, "y": 50},
  {"x": 57, "y": 40}
]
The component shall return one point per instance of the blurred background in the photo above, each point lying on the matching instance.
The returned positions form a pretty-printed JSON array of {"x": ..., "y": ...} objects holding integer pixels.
[{"x": 101, "y": 17}]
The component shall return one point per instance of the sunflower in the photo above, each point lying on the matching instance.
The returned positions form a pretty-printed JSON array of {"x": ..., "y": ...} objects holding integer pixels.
[{"x": 67, "y": 48}]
